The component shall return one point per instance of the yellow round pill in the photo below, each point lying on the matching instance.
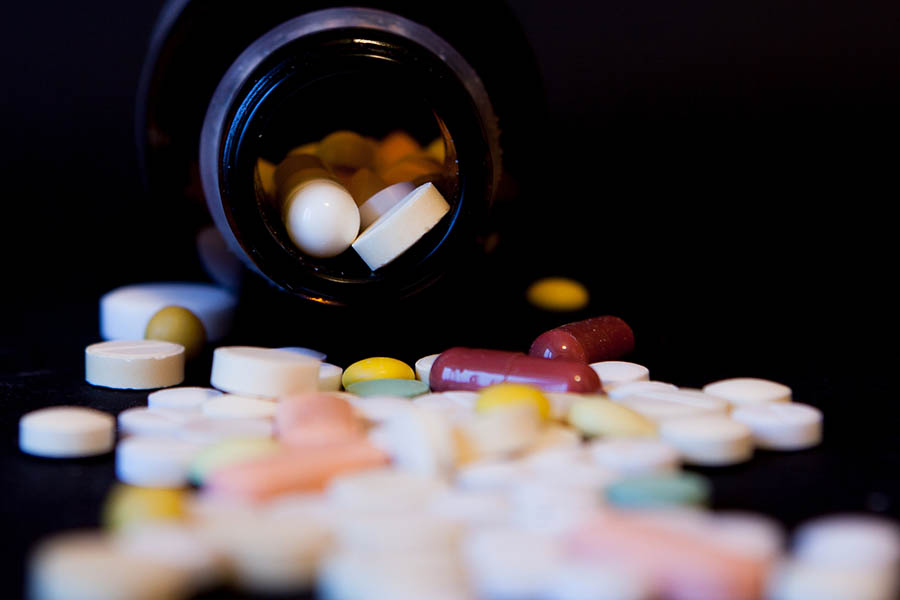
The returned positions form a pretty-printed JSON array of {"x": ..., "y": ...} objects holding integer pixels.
[
  {"x": 128, "y": 505},
  {"x": 436, "y": 150},
  {"x": 558, "y": 294},
  {"x": 378, "y": 367},
  {"x": 178, "y": 325},
  {"x": 511, "y": 394},
  {"x": 346, "y": 149}
]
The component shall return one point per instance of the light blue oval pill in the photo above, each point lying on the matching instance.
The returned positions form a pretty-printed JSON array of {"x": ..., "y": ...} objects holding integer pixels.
[
  {"x": 405, "y": 388},
  {"x": 657, "y": 491}
]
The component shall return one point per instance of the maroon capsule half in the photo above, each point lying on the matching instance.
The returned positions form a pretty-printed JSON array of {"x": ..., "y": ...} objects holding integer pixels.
[
  {"x": 473, "y": 369},
  {"x": 589, "y": 341}
]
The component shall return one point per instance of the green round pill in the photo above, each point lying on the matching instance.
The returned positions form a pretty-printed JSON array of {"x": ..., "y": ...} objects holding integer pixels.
[
  {"x": 658, "y": 491},
  {"x": 406, "y": 388}
]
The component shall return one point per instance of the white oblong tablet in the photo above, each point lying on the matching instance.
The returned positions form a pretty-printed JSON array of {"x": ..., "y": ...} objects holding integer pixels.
[
  {"x": 613, "y": 373},
  {"x": 125, "y": 311},
  {"x": 161, "y": 422},
  {"x": 66, "y": 432},
  {"x": 662, "y": 405},
  {"x": 181, "y": 398},
  {"x": 397, "y": 230},
  {"x": 744, "y": 391},
  {"x": 635, "y": 456},
  {"x": 263, "y": 372},
  {"x": 781, "y": 425},
  {"x": 330, "y": 377},
  {"x": 212, "y": 431},
  {"x": 709, "y": 440},
  {"x": 154, "y": 462},
  {"x": 381, "y": 202},
  {"x": 232, "y": 406},
  {"x": 134, "y": 365},
  {"x": 305, "y": 351},
  {"x": 383, "y": 491},
  {"x": 849, "y": 540},
  {"x": 638, "y": 387},
  {"x": 321, "y": 217},
  {"x": 423, "y": 367}
]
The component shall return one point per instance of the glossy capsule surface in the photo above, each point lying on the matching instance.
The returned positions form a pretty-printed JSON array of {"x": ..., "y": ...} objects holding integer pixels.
[{"x": 592, "y": 340}]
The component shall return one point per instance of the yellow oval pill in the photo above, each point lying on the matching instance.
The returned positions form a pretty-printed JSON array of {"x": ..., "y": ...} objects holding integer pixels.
[
  {"x": 510, "y": 394},
  {"x": 436, "y": 150},
  {"x": 378, "y": 367},
  {"x": 128, "y": 505},
  {"x": 558, "y": 294},
  {"x": 346, "y": 149},
  {"x": 266, "y": 172},
  {"x": 178, "y": 325},
  {"x": 597, "y": 415}
]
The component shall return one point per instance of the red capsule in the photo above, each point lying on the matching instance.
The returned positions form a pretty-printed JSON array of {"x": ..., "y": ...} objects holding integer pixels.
[
  {"x": 472, "y": 369},
  {"x": 589, "y": 341}
]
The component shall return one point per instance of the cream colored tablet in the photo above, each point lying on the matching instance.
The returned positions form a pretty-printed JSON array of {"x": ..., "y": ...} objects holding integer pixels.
[
  {"x": 163, "y": 422},
  {"x": 330, "y": 377},
  {"x": 423, "y": 367},
  {"x": 212, "y": 431},
  {"x": 502, "y": 431},
  {"x": 233, "y": 406},
  {"x": 661, "y": 405},
  {"x": 134, "y": 365},
  {"x": 263, "y": 372},
  {"x": 635, "y": 456},
  {"x": 397, "y": 230},
  {"x": 744, "y": 391},
  {"x": 188, "y": 399},
  {"x": 66, "y": 432},
  {"x": 709, "y": 440},
  {"x": 384, "y": 490},
  {"x": 781, "y": 425},
  {"x": 381, "y": 202},
  {"x": 154, "y": 462},
  {"x": 637, "y": 387},
  {"x": 613, "y": 373}
]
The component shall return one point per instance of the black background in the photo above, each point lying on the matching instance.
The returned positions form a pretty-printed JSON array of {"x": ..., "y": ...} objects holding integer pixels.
[{"x": 723, "y": 175}]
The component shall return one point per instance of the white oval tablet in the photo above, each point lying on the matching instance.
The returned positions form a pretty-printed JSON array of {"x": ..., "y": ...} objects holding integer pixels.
[
  {"x": 330, "y": 377},
  {"x": 181, "y": 398},
  {"x": 153, "y": 421},
  {"x": 263, "y": 372},
  {"x": 613, "y": 373},
  {"x": 638, "y": 387},
  {"x": 232, "y": 406},
  {"x": 423, "y": 367},
  {"x": 154, "y": 462},
  {"x": 662, "y": 405},
  {"x": 635, "y": 456},
  {"x": 744, "y": 391},
  {"x": 709, "y": 440},
  {"x": 381, "y": 202},
  {"x": 66, "y": 432},
  {"x": 398, "y": 229},
  {"x": 321, "y": 218},
  {"x": 134, "y": 365},
  {"x": 781, "y": 425},
  {"x": 212, "y": 431},
  {"x": 125, "y": 311}
]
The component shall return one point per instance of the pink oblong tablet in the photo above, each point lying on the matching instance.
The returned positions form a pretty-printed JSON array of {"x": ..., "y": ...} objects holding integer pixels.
[
  {"x": 304, "y": 408},
  {"x": 322, "y": 432},
  {"x": 472, "y": 369},
  {"x": 589, "y": 341}
]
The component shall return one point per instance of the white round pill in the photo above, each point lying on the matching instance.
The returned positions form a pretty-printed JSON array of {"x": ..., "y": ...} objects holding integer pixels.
[
  {"x": 379, "y": 409},
  {"x": 381, "y": 202},
  {"x": 709, "y": 440},
  {"x": 66, "y": 432},
  {"x": 321, "y": 218},
  {"x": 153, "y": 421},
  {"x": 781, "y": 425},
  {"x": 233, "y": 406},
  {"x": 136, "y": 365},
  {"x": 613, "y": 373},
  {"x": 125, "y": 311},
  {"x": 154, "y": 462},
  {"x": 212, "y": 431},
  {"x": 744, "y": 391},
  {"x": 393, "y": 532},
  {"x": 637, "y": 387},
  {"x": 472, "y": 507},
  {"x": 330, "y": 377},
  {"x": 423, "y": 367},
  {"x": 849, "y": 540},
  {"x": 662, "y": 405},
  {"x": 263, "y": 372},
  {"x": 181, "y": 398},
  {"x": 635, "y": 456}
]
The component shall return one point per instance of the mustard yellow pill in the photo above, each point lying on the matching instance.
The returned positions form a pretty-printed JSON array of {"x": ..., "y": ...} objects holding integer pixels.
[
  {"x": 310, "y": 148},
  {"x": 410, "y": 168},
  {"x": 436, "y": 150},
  {"x": 597, "y": 415},
  {"x": 557, "y": 294},
  {"x": 177, "y": 325},
  {"x": 128, "y": 505},
  {"x": 346, "y": 149},
  {"x": 378, "y": 367},
  {"x": 395, "y": 147},
  {"x": 364, "y": 184},
  {"x": 511, "y": 394},
  {"x": 294, "y": 163},
  {"x": 266, "y": 173}
]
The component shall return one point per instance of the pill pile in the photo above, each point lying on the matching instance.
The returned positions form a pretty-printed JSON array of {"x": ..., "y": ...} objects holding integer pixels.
[
  {"x": 475, "y": 473},
  {"x": 349, "y": 191}
]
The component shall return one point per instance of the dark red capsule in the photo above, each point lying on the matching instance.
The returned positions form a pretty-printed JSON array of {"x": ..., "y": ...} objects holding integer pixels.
[{"x": 589, "y": 341}]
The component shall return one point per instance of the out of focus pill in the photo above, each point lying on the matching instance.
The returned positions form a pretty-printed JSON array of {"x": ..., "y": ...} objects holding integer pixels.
[
  {"x": 378, "y": 409},
  {"x": 138, "y": 364},
  {"x": 379, "y": 367},
  {"x": 423, "y": 367},
  {"x": 638, "y": 387},
  {"x": 512, "y": 394},
  {"x": 410, "y": 168},
  {"x": 154, "y": 462},
  {"x": 709, "y": 440},
  {"x": 232, "y": 406},
  {"x": 436, "y": 150},
  {"x": 66, "y": 432},
  {"x": 504, "y": 429},
  {"x": 181, "y": 398},
  {"x": 510, "y": 563},
  {"x": 381, "y": 202},
  {"x": 330, "y": 377},
  {"x": 849, "y": 540},
  {"x": 800, "y": 580},
  {"x": 576, "y": 580},
  {"x": 263, "y": 372},
  {"x": 492, "y": 474},
  {"x": 292, "y": 164},
  {"x": 635, "y": 456},
  {"x": 321, "y": 218},
  {"x": 210, "y": 431},
  {"x": 603, "y": 338},
  {"x": 557, "y": 294},
  {"x": 306, "y": 351},
  {"x": 744, "y": 391},
  {"x": 781, "y": 425},
  {"x": 397, "y": 230},
  {"x": 394, "y": 147},
  {"x": 346, "y": 149},
  {"x": 659, "y": 491},
  {"x": 364, "y": 184},
  {"x": 310, "y": 148},
  {"x": 218, "y": 260},
  {"x": 404, "y": 388},
  {"x": 599, "y": 416},
  {"x": 421, "y": 442},
  {"x": 661, "y": 405},
  {"x": 614, "y": 373},
  {"x": 229, "y": 452},
  {"x": 125, "y": 311},
  {"x": 383, "y": 491},
  {"x": 266, "y": 172},
  {"x": 128, "y": 506},
  {"x": 178, "y": 325},
  {"x": 153, "y": 421}
]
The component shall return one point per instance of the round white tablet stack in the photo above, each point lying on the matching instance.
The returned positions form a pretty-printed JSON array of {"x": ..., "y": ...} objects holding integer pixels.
[
  {"x": 398, "y": 229},
  {"x": 781, "y": 425},
  {"x": 154, "y": 462},
  {"x": 709, "y": 440},
  {"x": 138, "y": 365},
  {"x": 613, "y": 373},
  {"x": 66, "y": 432},
  {"x": 263, "y": 371},
  {"x": 381, "y": 202},
  {"x": 125, "y": 312},
  {"x": 746, "y": 391},
  {"x": 321, "y": 218},
  {"x": 181, "y": 398}
]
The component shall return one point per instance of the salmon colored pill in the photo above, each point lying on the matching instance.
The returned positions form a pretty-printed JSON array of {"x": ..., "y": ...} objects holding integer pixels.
[
  {"x": 512, "y": 394},
  {"x": 589, "y": 341},
  {"x": 472, "y": 369},
  {"x": 378, "y": 367},
  {"x": 322, "y": 432},
  {"x": 395, "y": 147},
  {"x": 304, "y": 470},
  {"x": 306, "y": 408}
]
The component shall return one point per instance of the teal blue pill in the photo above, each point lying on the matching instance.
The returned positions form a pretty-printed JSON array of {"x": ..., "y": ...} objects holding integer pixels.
[
  {"x": 658, "y": 491},
  {"x": 405, "y": 388}
]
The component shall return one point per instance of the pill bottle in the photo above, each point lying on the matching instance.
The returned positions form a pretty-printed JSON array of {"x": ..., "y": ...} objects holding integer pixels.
[{"x": 227, "y": 82}]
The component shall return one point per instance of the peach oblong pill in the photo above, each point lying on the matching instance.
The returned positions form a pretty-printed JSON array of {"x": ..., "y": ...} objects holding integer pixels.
[{"x": 304, "y": 408}]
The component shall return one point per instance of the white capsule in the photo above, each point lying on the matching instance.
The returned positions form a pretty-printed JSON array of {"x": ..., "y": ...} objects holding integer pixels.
[{"x": 321, "y": 218}]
